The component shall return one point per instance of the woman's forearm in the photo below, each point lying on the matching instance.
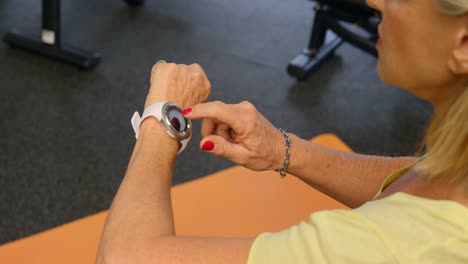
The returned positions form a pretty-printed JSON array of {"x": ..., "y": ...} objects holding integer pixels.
[
  {"x": 141, "y": 210},
  {"x": 350, "y": 178}
]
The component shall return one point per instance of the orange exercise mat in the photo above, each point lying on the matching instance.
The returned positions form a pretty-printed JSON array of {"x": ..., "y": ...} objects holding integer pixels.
[{"x": 232, "y": 202}]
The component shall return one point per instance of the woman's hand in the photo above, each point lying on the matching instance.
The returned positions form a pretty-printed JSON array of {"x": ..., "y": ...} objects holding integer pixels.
[
  {"x": 185, "y": 85},
  {"x": 241, "y": 134}
]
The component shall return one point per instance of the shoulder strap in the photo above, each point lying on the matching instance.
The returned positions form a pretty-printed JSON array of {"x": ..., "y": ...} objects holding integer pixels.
[{"x": 397, "y": 174}]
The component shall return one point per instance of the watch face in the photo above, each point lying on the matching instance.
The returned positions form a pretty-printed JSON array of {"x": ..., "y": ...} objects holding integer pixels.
[
  {"x": 175, "y": 123},
  {"x": 176, "y": 119}
]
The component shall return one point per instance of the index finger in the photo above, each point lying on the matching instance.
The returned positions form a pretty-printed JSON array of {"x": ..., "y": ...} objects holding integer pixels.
[{"x": 223, "y": 113}]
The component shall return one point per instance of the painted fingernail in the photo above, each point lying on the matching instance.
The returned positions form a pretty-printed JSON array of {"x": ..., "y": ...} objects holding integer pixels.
[
  {"x": 209, "y": 145},
  {"x": 187, "y": 111}
]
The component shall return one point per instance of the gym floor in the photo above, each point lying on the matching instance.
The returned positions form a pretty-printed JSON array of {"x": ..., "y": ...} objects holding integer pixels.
[{"x": 65, "y": 133}]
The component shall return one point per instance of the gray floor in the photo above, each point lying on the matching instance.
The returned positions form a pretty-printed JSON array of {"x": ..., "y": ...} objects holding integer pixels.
[{"x": 65, "y": 133}]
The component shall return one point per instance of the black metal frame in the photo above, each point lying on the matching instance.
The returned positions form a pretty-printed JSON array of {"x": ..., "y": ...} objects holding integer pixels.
[
  {"x": 328, "y": 17},
  {"x": 50, "y": 42}
]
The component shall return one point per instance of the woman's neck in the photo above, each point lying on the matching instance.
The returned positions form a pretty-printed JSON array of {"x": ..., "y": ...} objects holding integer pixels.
[
  {"x": 445, "y": 95},
  {"x": 415, "y": 183}
]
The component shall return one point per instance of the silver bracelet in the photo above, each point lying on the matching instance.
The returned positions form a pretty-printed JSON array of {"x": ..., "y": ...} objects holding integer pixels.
[{"x": 287, "y": 159}]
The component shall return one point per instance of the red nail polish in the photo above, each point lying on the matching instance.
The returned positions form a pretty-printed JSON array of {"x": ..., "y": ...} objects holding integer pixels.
[
  {"x": 209, "y": 145},
  {"x": 187, "y": 111}
]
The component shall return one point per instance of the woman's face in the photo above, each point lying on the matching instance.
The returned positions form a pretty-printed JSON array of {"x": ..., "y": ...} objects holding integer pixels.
[{"x": 417, "y": 41}]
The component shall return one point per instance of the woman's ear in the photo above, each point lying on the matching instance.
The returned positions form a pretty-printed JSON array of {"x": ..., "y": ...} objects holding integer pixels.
[{"x": 458, "y": 61}]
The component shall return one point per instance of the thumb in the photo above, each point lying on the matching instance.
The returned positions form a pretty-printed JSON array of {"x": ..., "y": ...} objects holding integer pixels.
[{"x": 219, "y": 146}]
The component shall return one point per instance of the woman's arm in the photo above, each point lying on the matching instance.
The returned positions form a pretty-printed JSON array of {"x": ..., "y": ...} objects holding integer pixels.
[
  {"x": 240, "y": 133},
  {"x": 140, "y": 224},
  {"x": 350, "y": 178},
  {"x": 141, "y": 210}
]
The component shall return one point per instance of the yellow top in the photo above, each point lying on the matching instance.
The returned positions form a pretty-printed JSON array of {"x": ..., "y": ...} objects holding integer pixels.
[{"x": 400, "y": 228}]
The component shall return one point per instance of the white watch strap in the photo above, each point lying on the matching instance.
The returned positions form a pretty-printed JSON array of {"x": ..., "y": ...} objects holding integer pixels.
[{"x": 153, "y": 110}]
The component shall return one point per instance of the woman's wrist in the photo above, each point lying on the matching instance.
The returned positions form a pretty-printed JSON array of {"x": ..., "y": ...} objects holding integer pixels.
[
  {"x": 280, "y": 151},
  {"x": 151, "y": 130},
  {"x": 286, "y": 157},
  {"x": 297, "y": 155}
]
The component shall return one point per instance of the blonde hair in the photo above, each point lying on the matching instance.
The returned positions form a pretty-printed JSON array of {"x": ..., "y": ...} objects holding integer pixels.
[
  {"x": 445, "y": 143},
  {"x": 453, "y": 7}
]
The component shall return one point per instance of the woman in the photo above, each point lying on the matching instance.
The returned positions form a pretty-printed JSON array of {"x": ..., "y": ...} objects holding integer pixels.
[{"x": 419, "y": 214}]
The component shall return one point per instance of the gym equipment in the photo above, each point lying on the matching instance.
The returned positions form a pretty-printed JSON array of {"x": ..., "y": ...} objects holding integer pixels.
[
  {"x": 330, "y": 15},
  {"x": 135, "y": 2},
  {"x": 50, "y": 43}
]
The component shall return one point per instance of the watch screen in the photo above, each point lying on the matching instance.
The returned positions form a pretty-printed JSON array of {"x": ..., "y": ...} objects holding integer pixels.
[{"x": 177, "y": 119}]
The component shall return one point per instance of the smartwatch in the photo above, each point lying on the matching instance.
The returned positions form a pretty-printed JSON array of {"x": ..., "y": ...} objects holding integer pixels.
[{"x": 171, "y": 119}]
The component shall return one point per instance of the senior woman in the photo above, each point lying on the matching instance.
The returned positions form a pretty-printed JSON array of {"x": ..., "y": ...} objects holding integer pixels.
[{"x": 417, "y": 214}]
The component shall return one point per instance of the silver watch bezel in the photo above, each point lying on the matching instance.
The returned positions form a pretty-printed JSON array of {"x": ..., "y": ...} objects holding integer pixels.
[{"x": 165, "y": 122}]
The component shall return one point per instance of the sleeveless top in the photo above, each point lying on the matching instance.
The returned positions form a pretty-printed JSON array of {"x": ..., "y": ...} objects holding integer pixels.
[{"x": 399, "y": 228}]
